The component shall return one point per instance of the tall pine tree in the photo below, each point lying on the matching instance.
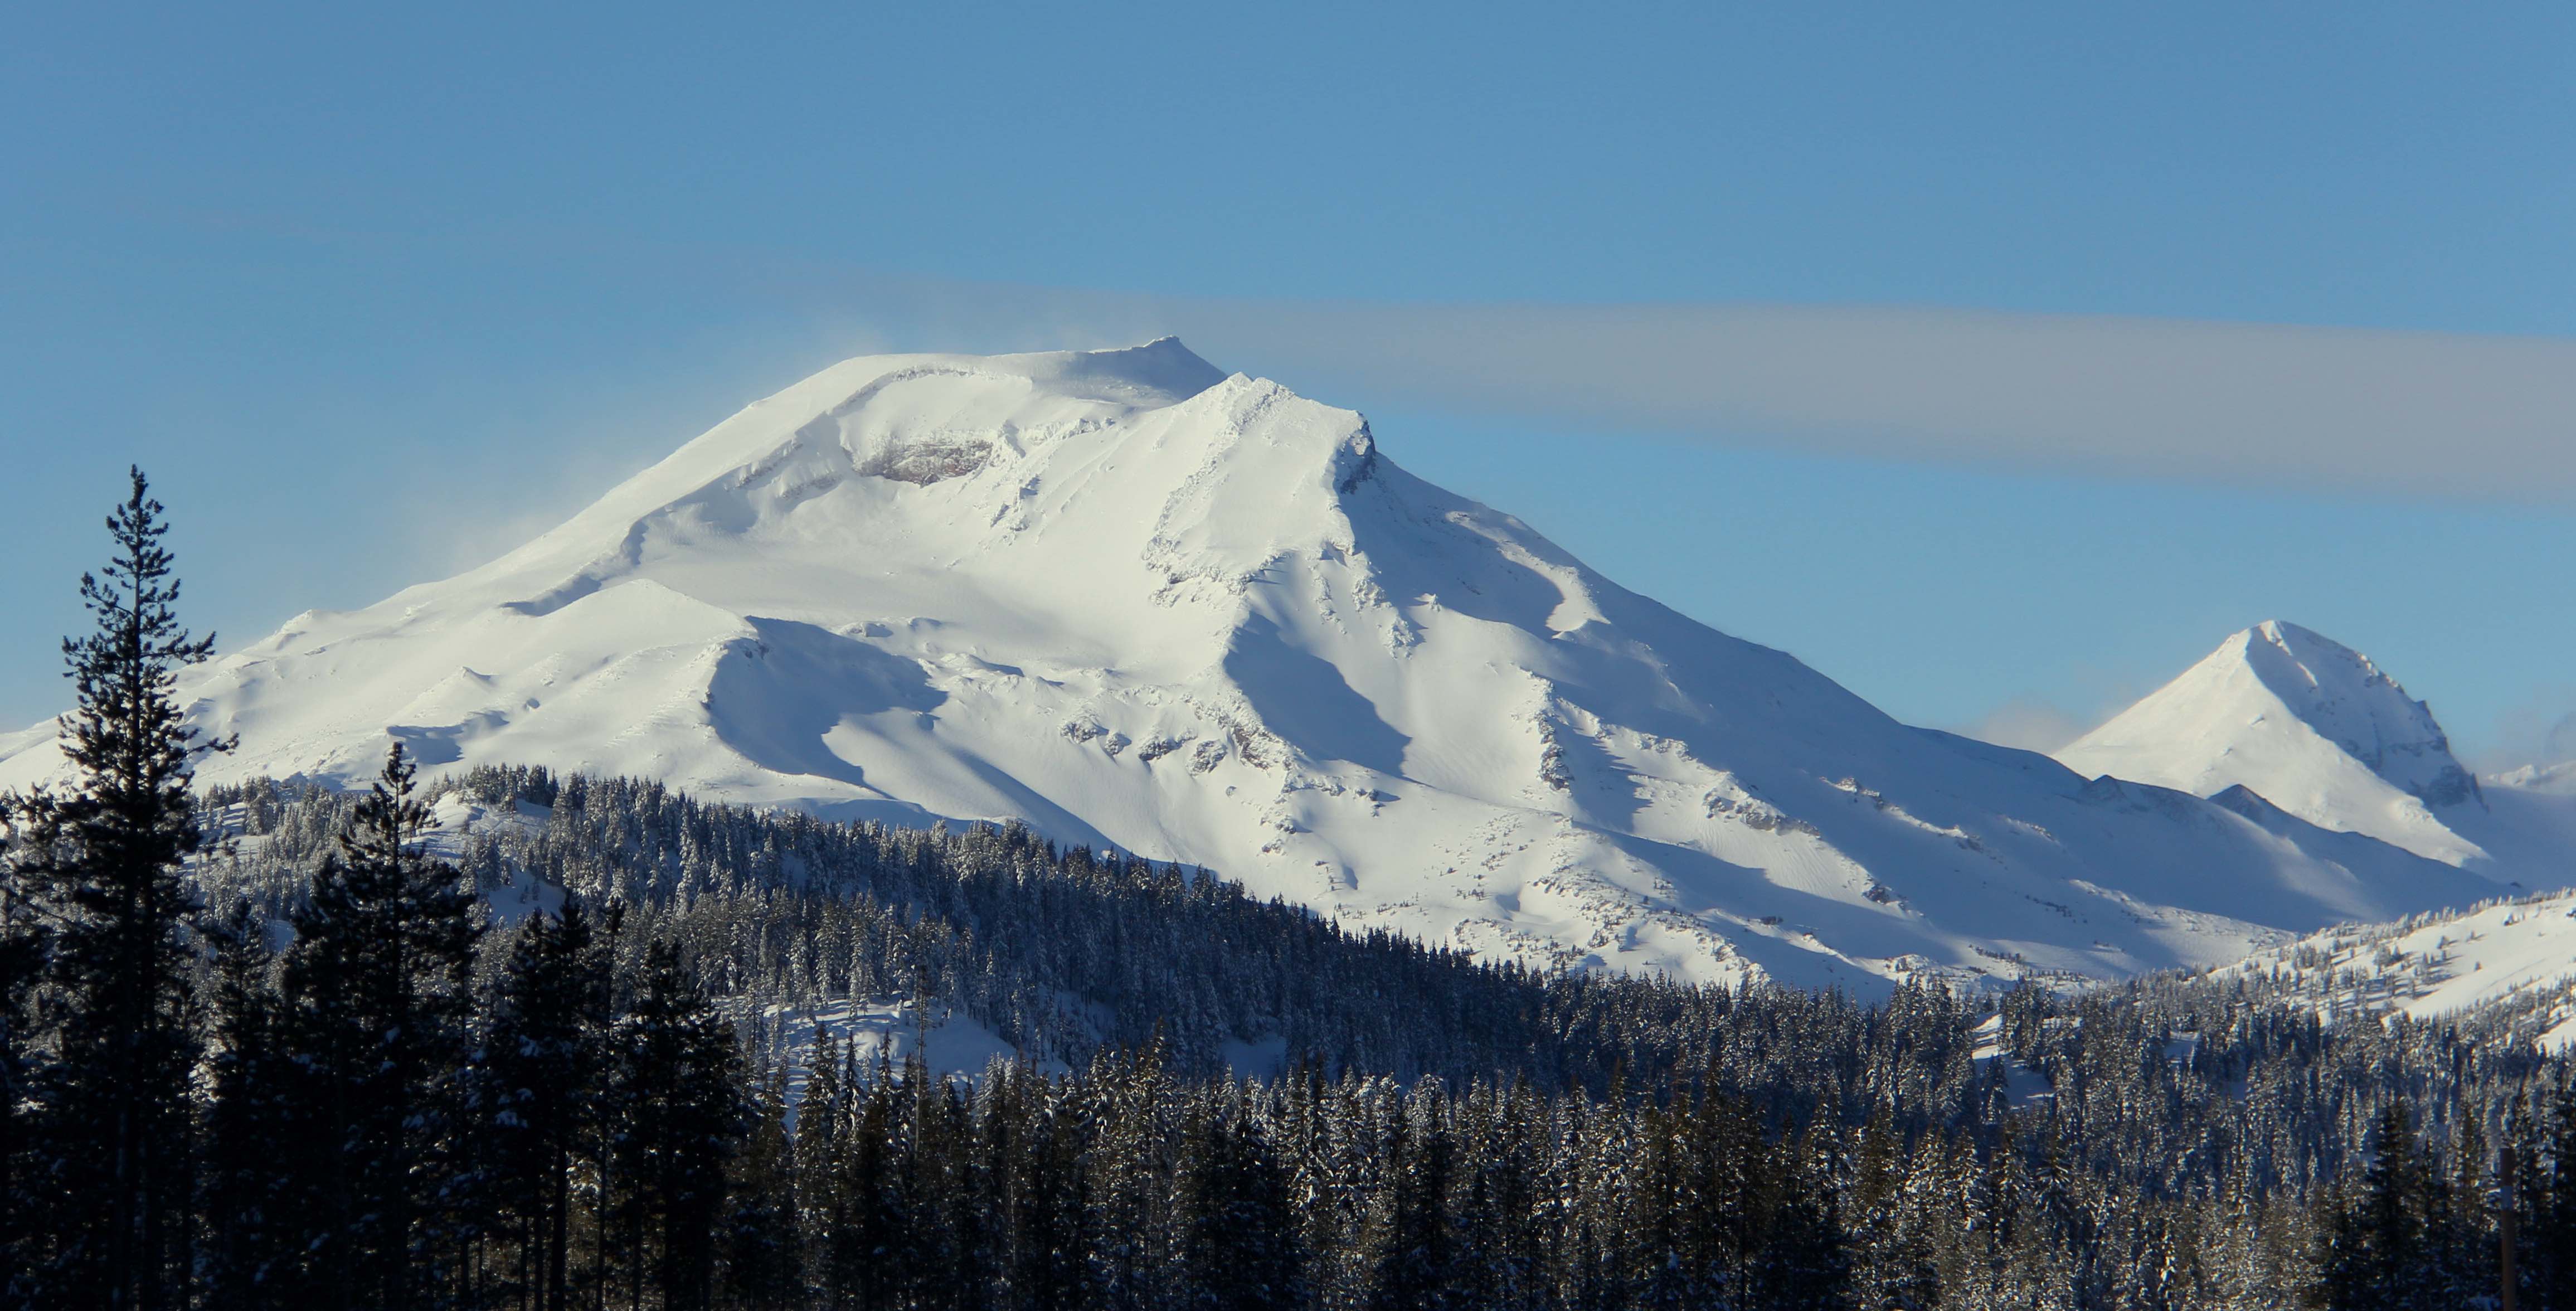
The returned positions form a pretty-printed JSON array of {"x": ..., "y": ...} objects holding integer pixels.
[
  {"x": 2382, "y": 1251},
  {"x": 104, "y": 857},
  {"x": 680, "y": 1117},
  {"x": 25, "y": 939},
  {"x": 1239, "y": 1242},
  {"x": 539, "y": 1087},
  {"x": 254, "y": 1220},
  {"x": 377, "y": 989}
]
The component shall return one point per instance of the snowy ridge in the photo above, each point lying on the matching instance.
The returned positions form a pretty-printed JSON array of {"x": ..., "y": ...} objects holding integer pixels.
[{"x": 1139, "y": 603}]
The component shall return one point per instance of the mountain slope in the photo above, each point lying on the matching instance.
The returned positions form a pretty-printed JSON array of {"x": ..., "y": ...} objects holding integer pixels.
[
  {"x": 2517, "y": 953},
  {"x": 1133, "y": 601}
]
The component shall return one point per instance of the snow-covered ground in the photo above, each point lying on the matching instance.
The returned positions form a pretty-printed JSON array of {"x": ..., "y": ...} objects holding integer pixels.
[
  {"x": 2022, "y": 1084},
  {"x": 2521, "y": 951},
  {"x": 1137, "y": 602},
  {"x": 883, "y": 1034}
]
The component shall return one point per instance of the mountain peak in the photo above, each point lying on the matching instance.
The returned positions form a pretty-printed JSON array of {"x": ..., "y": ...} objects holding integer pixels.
[
  {"x": 1163, "y": 365},
  {"x": 2351, "y": 702},
  {"x": 2309, "y": 724},
  {"x": 1136, "y": 602}
]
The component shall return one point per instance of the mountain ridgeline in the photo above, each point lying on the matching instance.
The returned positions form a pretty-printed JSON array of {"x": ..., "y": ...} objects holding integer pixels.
[{"x": 1134, "y": 602}]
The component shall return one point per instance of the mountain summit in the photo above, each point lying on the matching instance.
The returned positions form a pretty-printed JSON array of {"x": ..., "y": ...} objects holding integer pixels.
[
  {"x": 1131, "y": 600},
  {"x": 2279, "y": 717},
  {"x": 2309, "y": 724}
]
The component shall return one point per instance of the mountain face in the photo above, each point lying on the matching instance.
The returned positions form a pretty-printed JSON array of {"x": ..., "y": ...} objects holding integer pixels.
[
  {"x": 2309, "y": 724},
  {"x": 1135, "y": 602},
  {"x": 2281, "y": 718}
]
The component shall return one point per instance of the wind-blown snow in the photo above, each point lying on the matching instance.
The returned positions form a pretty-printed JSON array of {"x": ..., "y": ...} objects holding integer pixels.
[{"x": 1134, "y": 601}]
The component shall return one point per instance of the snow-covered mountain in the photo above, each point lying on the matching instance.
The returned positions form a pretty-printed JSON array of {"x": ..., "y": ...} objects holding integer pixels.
[
  {"x": 1134, "y": 601},
  {"x": 2311, "y": 727}
]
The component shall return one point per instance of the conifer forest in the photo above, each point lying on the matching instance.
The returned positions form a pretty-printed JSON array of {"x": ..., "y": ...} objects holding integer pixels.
[{"x": 267, "y": 1045}]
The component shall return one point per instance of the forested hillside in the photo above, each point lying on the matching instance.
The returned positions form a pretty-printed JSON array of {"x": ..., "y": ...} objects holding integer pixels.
[
  {"x": 509, "y": 1039},
  {"x": 1448, "y": 1133}
]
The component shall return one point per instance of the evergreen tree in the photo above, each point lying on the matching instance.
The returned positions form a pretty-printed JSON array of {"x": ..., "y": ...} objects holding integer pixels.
[
  {"x": 2463, "y": 1221},
  {"x": 1126, "y": 1224},
  {"x": 1240, "y": 1231},
  {"x": 938, "y": 1194},
  {"x": 538, "y": 1091},
  {"x": 255, "y": 1220},
  {"x": 2546, "y": 1196},
  {"x": 377, "y": 989},
  {"x": 1892, "y": 1264},
  {"x": 25, "y": 942},
  {"x": 2382, "y": 1250},
  {"x": 1680, "y": 1214},
  {"x": 105, "y": 860},
  {"x": 763, "y": 1262},
  {"x": 874, "y": 1236},
  {"x": 1414, "y": 1247},
  {"x": 824, "y": 1136},
  {"x": 1055, "y": 1267},
  {"x": 679, "y": 1118},
  {"x": 1806, "y": 1257}
]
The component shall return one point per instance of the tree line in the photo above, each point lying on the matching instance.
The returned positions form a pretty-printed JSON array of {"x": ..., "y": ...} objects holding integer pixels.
[{"x": 270, "y": 1045}]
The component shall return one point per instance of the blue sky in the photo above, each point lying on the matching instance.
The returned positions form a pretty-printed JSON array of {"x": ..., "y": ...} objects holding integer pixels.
[{"x": 373, "y": 295}]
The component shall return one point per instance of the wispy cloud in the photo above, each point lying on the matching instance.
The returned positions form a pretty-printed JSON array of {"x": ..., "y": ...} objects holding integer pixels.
[
  {"x": 2419, "y": 414},
  {"x": 2029, "y": 723},
  {"x": 2298, "y": 408}
]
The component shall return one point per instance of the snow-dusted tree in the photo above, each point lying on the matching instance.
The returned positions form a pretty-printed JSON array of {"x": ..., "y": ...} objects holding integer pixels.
[
  {"x": 25, "y": 938},
  {"x": 2385, "y": 1249},
  {"x": 1239, "y": 1232},
  {"x": 757, "y": 1239}
]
